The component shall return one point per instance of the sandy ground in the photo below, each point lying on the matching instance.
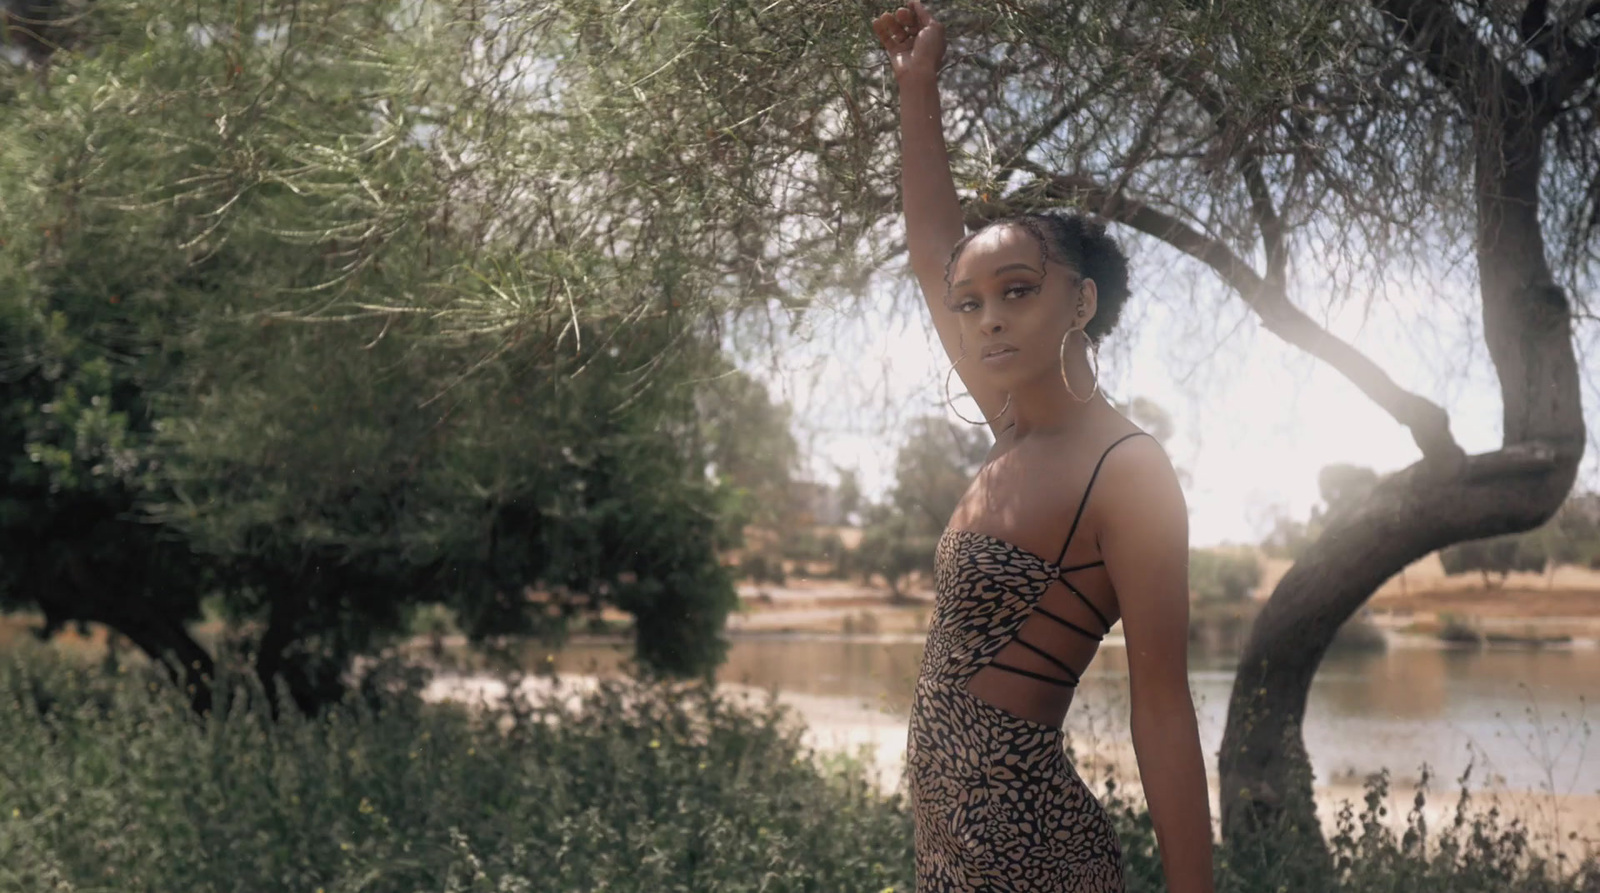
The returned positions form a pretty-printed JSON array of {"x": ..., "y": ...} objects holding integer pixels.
[{"x": 1566, "y": 823}]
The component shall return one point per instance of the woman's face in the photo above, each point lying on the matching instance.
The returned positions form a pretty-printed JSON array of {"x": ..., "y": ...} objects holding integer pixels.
[{"x": 1013, "y": 311}]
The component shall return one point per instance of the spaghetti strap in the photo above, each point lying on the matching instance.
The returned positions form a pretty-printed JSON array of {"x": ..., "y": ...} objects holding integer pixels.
[
  {"x": 1040, "y": 609},
  {"x": 1084, "y": 503},
  {"x": 1060, "y": 664}
]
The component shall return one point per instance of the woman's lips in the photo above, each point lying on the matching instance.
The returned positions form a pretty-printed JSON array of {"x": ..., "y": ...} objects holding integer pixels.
[{"x": 999, "y": 356}]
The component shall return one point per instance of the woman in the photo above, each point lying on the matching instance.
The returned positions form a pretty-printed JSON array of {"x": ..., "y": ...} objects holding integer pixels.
[{"x": 996, "y": 804}]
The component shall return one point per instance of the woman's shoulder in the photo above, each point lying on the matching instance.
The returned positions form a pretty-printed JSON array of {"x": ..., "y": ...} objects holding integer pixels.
[
  {"x": 1137, "y": 482},
  {"x": 1125, "y": 464}
]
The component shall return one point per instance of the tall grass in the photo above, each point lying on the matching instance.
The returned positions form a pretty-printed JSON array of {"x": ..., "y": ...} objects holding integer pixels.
[{"x": 108, "y": 783}]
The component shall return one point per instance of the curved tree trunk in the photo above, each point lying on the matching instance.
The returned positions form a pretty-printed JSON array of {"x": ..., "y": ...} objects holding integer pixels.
[
  {"x": 163, "y": 639},
  {"x": 1265, "y": 771}
]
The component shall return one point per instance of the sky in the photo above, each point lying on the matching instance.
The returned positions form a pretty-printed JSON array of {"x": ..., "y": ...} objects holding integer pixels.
[{"x": 1255, "y": 419}]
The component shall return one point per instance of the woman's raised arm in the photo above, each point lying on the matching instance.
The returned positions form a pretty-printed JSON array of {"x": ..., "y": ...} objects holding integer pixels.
[{"x": 914, "y": 41}]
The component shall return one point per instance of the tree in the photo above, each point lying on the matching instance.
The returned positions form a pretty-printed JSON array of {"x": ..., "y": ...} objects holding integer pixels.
[
  {"x": 751, "y": 450},
  {"x": 894, "y": 545},
  {"x": 39, "y": 28},
  {"x": 1500, "y": 555},
  {"x": 1343, "y": 486},
  {"x": 1288, "y": 537},
  {"x": 932, "y": 471},
  {"x": 849, "y": 492},
  {"x": 1223, "y": 576},
  {"x": 717, "y": 156},
  {"x": 1248, "y": 138},
  {"x": 933, "y": 468},
  {"x": 1573, "y": 535},
  {"x": 267, "y": 337}
]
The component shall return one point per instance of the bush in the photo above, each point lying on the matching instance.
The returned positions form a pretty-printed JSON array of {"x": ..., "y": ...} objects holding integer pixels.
[
  {"x": 1358, "y": 633},
  {"x": 109, "y": 782},
  {"x": 761, "y": 568},
  {"x": 1477, "y": 852}
]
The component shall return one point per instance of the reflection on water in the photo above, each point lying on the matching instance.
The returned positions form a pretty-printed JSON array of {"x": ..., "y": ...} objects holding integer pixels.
[{"x": 1520, "y": 715}]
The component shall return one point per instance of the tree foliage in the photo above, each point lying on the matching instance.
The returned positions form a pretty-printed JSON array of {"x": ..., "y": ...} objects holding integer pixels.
[
  {"x": 750, "y": 446},
  {"x": 1223, "y": 576},
  {"x": 308, "y": 307},
  {"x": 1572, "y": 537},
  {"x": 1495, "y": 558},
  {"x": 932, "y": 470}
]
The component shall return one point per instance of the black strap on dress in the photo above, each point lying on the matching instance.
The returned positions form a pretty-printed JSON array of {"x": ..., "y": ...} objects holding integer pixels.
[{"x": 1061, "y": 574}]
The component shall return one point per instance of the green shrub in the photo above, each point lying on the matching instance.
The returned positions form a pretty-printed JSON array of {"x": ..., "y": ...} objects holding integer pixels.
[
  {"x": 109, "y": 782},
  {"x": 1479, "y": 851},
  {"x": 636, "y": 787}
]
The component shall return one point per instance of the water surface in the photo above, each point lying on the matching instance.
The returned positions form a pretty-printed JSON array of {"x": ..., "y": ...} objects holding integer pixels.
[{"x": 1520, "y": 717}]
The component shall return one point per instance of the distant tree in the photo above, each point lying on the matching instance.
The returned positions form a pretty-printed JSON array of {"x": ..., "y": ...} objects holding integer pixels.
[
  {"x": 748, "y": 443},
  {"x": 935, "y": 465},
  {"x": 895, "y": 546},
  {"x": 1341, "y": 487},
  {"x": 1345, "y": 485},
  {"x": 849, "y": 492},
  {"x": 1573, "y": 535},
  {"x": 1223, "y": 576},
  {"x": 1288, "y": 537},
  {"x": 932, "y": 471},
  {"x": 1496, "y": 558}
]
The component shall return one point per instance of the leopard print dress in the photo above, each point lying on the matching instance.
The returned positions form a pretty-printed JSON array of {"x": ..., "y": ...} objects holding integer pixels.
[{"x": 996, "y": 804}]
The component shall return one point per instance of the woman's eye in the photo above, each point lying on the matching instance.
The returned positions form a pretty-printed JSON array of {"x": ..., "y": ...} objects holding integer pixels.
[
  {"x": 966, "y": 306},
  {"x": 1017, "y": 291}
]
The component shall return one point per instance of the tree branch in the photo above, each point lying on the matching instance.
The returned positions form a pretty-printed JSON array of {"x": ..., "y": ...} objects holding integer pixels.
[
  {"x": 1186, "y": 74},
  {"x": 1449, "y": 50},
  {"x": 1537, "y": 31},
  {"x": 1557, "y": 85},
  {"x": 1429, "y": 423},
  {"x": 1013, "y": 155},
  {"x": 1267, "y": 220}
]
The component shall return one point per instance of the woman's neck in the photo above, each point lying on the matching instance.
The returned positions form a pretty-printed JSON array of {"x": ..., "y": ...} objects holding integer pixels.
[{"x": 1047, "y": 409}]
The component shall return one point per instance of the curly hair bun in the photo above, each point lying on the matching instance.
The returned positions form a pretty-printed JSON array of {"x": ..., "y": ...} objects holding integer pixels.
[{"x": 1083, "y": 244}]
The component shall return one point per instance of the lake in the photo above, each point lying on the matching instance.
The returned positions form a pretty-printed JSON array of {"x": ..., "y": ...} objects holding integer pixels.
[{"x": 1520, "y": 716}]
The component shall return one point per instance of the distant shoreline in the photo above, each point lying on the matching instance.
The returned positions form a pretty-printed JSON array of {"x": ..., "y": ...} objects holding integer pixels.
[{"x": 1509, "y": 618}]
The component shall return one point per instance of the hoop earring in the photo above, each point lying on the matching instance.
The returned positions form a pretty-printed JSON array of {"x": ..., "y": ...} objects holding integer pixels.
[
  {"x": 951, "y": 403},
  {"x": 1094, "y": 353}
]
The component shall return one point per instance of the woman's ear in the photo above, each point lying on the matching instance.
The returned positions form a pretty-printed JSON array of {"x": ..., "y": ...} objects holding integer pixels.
[{"x": 1088, "y": 301}]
